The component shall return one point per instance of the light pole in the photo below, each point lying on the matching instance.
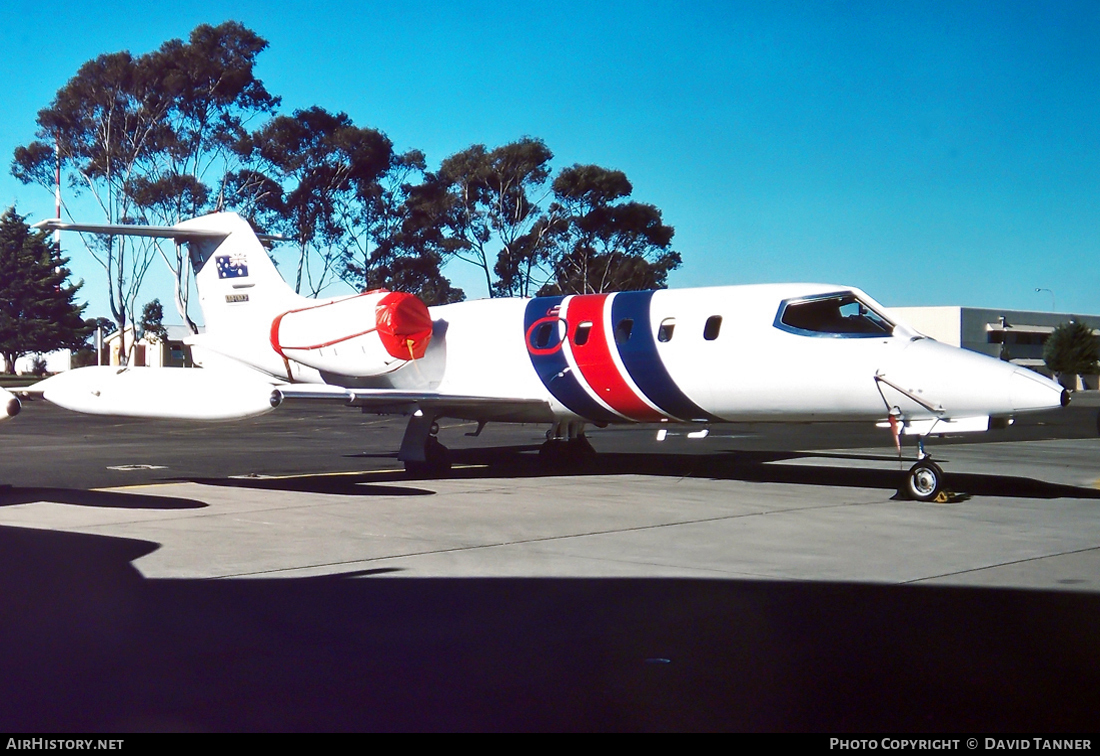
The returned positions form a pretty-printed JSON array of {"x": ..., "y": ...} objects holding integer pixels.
[{"x": 1052, "y": 307}]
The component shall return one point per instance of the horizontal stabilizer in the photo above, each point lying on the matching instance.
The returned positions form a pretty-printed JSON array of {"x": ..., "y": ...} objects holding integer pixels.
[
  {"x": 122, "y": 229},
  {"x": 179, "y": 233}
]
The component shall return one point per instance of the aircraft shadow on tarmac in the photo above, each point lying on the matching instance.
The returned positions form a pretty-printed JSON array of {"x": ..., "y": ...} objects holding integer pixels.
[
  {"x": 94, "y": 646},
  {"x": 339, "y": 483},
  {"x": 11, "y": 495},
  {"x": 744, "y": 466}
]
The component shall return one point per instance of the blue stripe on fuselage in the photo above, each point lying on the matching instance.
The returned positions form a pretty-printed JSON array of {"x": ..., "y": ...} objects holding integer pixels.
[
  {"x": 553, "y": 369},
  {"x": 639, "y": 355}
]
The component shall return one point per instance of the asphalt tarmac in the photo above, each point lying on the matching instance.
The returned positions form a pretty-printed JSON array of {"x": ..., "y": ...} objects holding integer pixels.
[{"x": 283, "y": 574}]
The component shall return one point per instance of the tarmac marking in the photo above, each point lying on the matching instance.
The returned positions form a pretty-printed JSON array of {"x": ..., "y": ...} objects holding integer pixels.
[
  {"x": 295, "y": 476},
  {"x": 135, "y": 485},
  {"x": 1002, "y": 564},
  {"x": 288, "y": 476}
]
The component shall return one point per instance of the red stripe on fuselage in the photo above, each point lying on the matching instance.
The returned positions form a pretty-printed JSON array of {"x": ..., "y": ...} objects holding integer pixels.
[{"x": 594, "y": 359}]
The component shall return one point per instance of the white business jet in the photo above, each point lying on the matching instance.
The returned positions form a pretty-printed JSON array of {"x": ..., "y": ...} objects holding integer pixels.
[{"x": 699, "y": 357}]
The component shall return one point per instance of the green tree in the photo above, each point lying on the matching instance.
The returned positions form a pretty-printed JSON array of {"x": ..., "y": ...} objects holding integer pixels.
[
  {"x": 37, "y": 309},
  {"x": 380, "y": 254},
  {"x": 482, "y": 207},
  {"x": 151, "y": 322},
  {"x": 340, "y": 191},
  {"x": 600, "y": 241},
  {"x": 1072, "y": 349},
  {"x": 305, "y": 177},
  {"x": 141, "y": 136}
]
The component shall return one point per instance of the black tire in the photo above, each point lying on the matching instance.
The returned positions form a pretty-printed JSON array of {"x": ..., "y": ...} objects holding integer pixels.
[{"x": 924, "y": 481}]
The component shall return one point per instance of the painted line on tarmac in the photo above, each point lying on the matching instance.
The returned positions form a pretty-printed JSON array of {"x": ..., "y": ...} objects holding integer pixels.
[
  {"x": 294, "y": 476},
  {"x": 289, "y": 476}
]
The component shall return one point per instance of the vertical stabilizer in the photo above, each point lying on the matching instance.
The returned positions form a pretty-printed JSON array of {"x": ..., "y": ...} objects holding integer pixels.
[
  {"x": 240, "y": 291},
  {"x": 239, "y": 286}
]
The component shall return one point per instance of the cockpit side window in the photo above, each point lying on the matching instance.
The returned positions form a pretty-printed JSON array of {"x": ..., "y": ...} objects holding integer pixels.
[{"x": 842, "y": 314}]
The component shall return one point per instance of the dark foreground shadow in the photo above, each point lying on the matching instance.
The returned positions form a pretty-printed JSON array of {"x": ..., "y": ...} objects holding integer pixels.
[
  {"x": 10, "y": 495},
  {"x": 92, "y": 646},
  {"x": 345, "y": 484}
]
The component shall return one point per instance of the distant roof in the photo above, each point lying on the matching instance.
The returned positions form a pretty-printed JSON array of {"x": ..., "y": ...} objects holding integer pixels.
[{"x": 175, "y": 332}]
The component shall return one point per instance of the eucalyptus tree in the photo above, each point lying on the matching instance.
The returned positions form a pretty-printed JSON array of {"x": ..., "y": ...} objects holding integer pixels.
[
  {"x": 341, "y": 193},
  {"x": 307, "y": 177},
  {"x": 149, "y": 139},
  {"x": 482, "y": 207},
  {"x": 599, "y": 240}
]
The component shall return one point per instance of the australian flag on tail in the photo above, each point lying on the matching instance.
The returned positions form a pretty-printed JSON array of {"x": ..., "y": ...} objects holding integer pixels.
[{"x": 232, "y": 266}]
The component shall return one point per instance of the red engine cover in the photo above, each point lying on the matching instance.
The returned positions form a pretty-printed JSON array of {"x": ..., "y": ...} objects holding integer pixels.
[{"x": 404, "y": 325}]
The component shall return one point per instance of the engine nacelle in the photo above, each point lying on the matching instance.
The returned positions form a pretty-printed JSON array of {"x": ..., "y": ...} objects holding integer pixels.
[{"x": 365, "y": 335}]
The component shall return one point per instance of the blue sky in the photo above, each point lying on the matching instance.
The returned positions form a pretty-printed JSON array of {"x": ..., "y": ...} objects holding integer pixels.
[{"x": 929, "y": 153}]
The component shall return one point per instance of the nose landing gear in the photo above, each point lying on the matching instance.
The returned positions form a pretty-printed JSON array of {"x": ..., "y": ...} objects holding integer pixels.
[{"x": 924, "y": 481}]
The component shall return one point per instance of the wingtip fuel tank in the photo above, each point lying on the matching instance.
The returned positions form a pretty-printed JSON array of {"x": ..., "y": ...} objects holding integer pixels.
[
  {"x": 165, "y": 393},
  {"x": 9, "y": 405}
]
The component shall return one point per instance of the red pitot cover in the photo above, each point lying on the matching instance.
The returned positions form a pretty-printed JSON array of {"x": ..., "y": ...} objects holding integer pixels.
[{"x": 404, "y": 325}]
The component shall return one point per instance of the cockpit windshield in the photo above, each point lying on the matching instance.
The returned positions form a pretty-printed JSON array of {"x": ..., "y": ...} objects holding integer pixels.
[{"x": 841, "y": 314}]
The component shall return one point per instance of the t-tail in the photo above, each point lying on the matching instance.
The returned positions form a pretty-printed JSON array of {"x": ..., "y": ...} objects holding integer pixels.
[
  {"x": 240, "y": 290},
  {"x": 253, "y": 319}
]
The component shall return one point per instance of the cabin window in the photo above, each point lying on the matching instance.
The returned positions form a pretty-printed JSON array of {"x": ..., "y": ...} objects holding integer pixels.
[
  {"x": 713, "y": 326},
  {"x": 542, "y": 335},
  {"x": 580, "y": 336},
  {"x": 622, "y": 330},
  {"x": 664, "y": 333},
  {"x": 836, "y": 315}
]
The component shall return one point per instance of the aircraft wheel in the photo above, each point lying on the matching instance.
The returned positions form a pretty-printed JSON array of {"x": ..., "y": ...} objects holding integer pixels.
[{"x": 924, "y": 481}]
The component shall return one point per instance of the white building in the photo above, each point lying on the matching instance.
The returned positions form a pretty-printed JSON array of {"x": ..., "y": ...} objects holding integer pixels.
[
  {"x": 1016, "y": 335},
  {"x": 151, "y": 351}
]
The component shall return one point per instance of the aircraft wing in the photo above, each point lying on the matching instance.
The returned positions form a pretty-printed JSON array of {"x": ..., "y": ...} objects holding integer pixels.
[{"x": 400, "y": 402}]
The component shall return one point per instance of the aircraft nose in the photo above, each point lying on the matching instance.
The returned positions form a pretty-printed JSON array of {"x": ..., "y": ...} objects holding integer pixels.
[{"x": 1031, "y": 391}]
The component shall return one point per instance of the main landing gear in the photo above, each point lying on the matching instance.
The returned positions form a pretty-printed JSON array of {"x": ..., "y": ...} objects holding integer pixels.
[
  {"x": 566, "y": 446},
  {"x": 421, "y": 451}
]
